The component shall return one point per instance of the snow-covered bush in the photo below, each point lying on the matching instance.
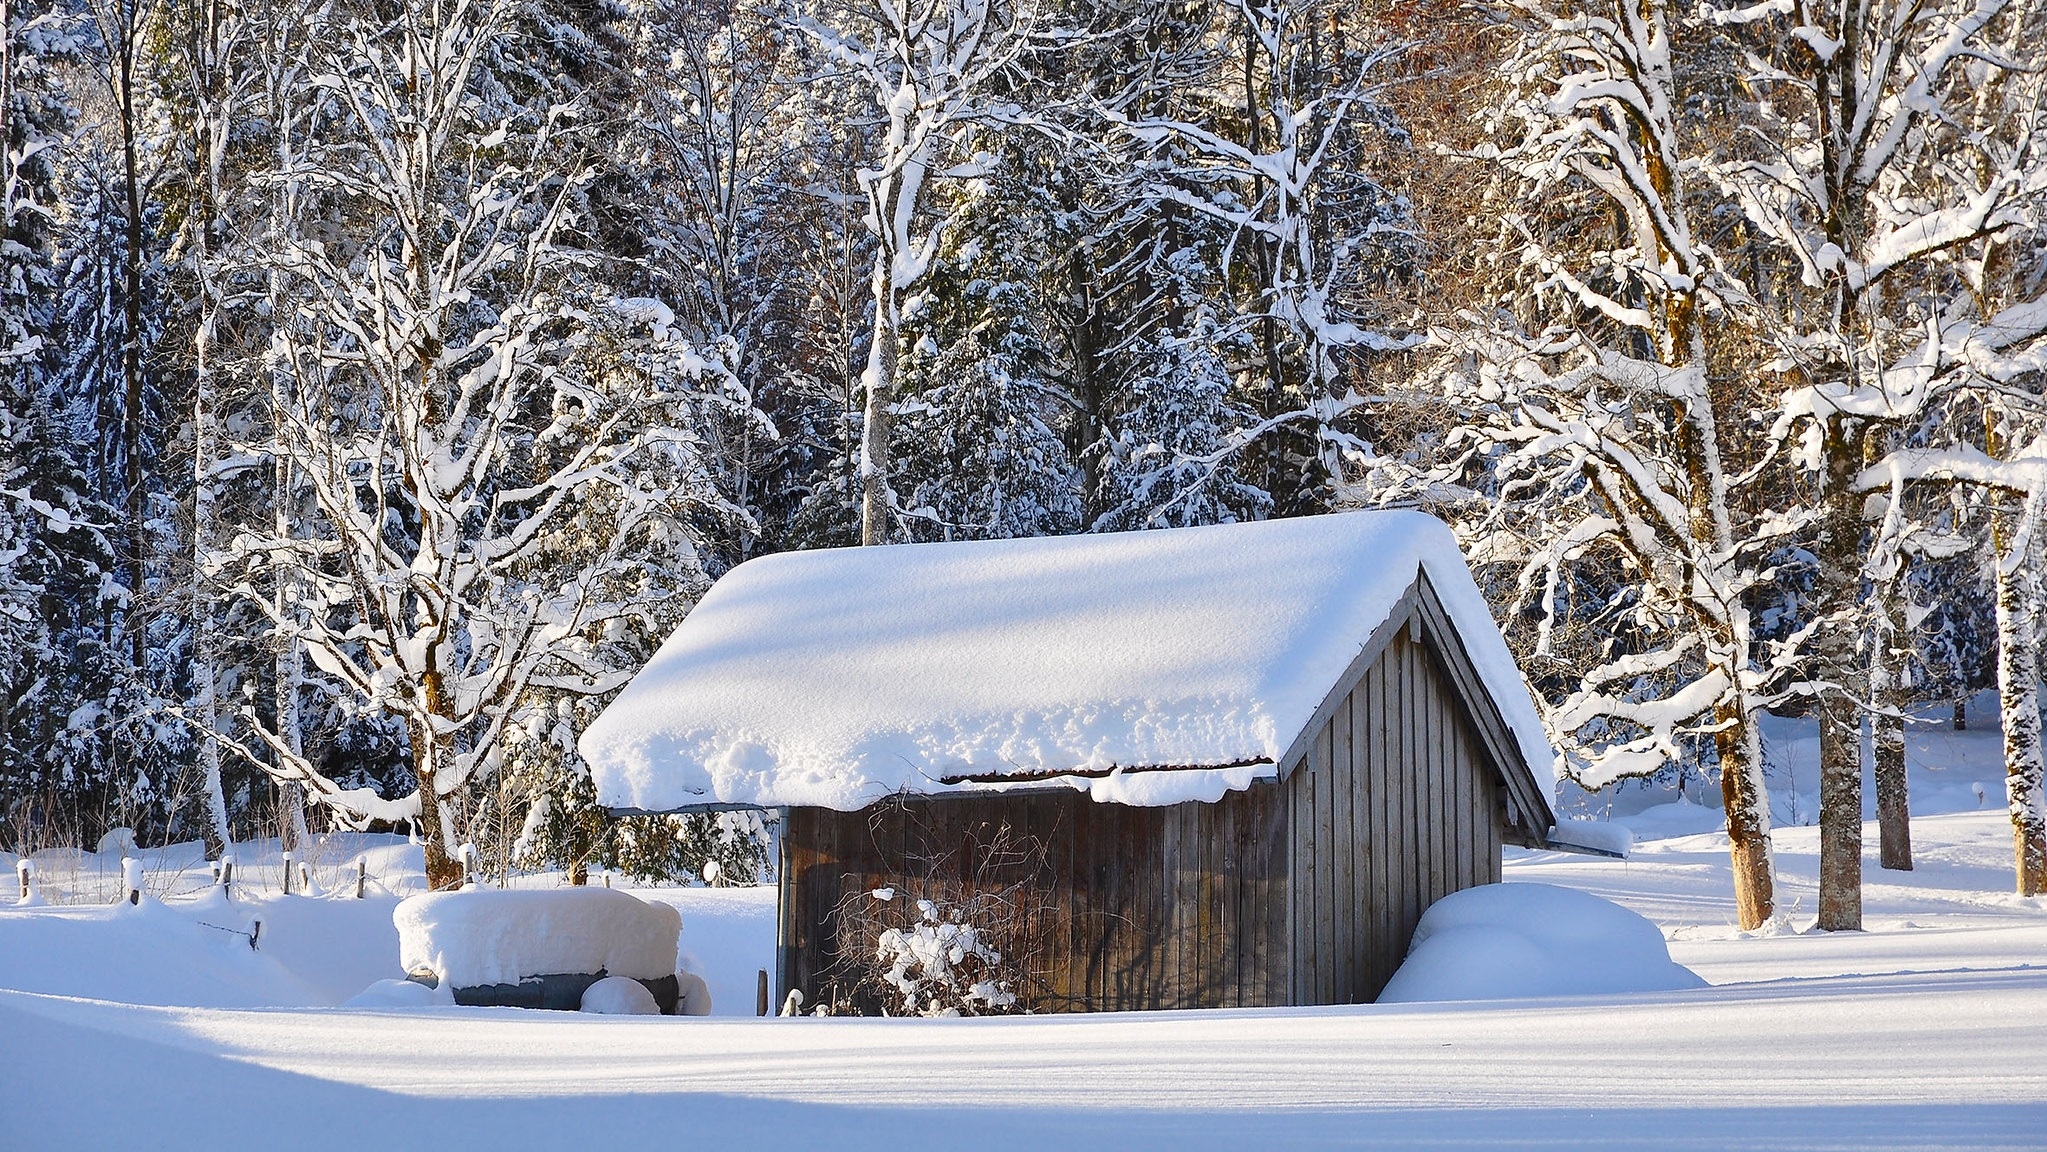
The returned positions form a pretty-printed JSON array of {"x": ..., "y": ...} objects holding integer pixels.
[
  {"x": 947, "y": 931},
  {"x": 943, "y": 966}
]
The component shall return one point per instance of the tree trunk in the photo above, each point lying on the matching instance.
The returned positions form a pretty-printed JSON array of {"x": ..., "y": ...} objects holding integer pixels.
[
  {"x": 1748, "y": 815},
  {"x": 2018, "y": 694},
  {"x": 1889, "y": 651},
  {"x": 132, "y": 472},
  {"x": 443, "y": 871},
  {"x": 1893, "y": 802},
  {"x": 292, "y": 819},
  {"x": 205, "y": 492},
  {"x": 1840, "y": 709},
  {"x": 881, "y": 388},
  {"x": 1840, "y": 815}
]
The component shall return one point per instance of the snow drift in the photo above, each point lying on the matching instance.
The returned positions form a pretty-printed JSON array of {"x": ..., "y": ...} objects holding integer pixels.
[
  {"x": 837, "y": 677},
  {"x": 487, "y": 936},
  {"x": 620, "y": 996},
  {"x": 1511, "y": 941}
]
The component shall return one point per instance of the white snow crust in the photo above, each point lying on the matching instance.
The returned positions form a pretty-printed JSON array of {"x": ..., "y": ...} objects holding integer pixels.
[
  {"x": 1514, "y": 941},
  {"x": 1601, "y": 834},
  {"x": 836, "y": 677},
  {"x": 402, "y": 994},
  {"x": 489, "y": 936}
]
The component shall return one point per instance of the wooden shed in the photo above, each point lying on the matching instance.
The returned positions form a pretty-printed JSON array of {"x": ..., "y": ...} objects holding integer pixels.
[{"x": 1190, "y": 768}]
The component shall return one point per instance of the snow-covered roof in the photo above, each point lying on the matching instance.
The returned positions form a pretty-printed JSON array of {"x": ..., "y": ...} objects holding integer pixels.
[{"x": 837, "y": 677}]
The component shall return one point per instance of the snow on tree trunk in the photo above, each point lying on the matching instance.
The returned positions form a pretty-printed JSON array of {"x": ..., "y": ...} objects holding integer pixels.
[
  {"x": 2018, "y": 689},
  {"x": 1915, "y": 131},
  {"x": 1605, "y": 436},
  {"x": 213, "y": 34},
  {"x": 1746, "y": 800},
  {"x": 506, "y": 463},
  {"x": 877, "y": 514}
]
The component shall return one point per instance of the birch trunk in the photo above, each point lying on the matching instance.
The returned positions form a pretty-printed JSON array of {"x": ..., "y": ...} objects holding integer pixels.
[
  {"x": 880, "y": 378},
  {"x": 205, "y": 673},
  {"x": 209, "y": 139},
  {"x": 289, "y": 667}
]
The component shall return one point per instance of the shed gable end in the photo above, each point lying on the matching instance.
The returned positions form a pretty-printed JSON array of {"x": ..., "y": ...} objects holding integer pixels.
[
  {"x": 1421, "y": 617},
  {"x": 1395, "y": 806}
]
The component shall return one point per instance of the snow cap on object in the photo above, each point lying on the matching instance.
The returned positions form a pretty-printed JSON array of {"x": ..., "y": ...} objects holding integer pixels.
[
  {"x": 486, "y": 936},
  {"x": 620, "y": 996},
  {"x": 837, "y": 677}
]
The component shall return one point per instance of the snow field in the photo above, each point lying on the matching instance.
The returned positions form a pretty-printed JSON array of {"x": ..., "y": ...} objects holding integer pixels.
[
  {"x": 1948, "y": 1060},
  {"x": 1928, "y": 1031}
]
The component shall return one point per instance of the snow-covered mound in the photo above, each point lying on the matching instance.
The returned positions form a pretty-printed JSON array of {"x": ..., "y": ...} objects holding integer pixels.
[
  {"x": 839, "y": 676},
  {"x": 488, "y": 936},
  {"x": 620, "y": 996},
  {"x": 1512, "y": 941}
]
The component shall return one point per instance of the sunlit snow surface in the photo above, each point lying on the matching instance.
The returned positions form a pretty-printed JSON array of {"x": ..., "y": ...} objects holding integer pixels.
[
  {"x": 1928, "y": 1031},
  {"x": 836, "y": 677}
]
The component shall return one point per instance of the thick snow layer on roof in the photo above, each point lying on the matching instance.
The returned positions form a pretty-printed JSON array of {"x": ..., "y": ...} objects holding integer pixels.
[
  {"x": 487, "y": 936},
  {"x": 836, "y": 677}
]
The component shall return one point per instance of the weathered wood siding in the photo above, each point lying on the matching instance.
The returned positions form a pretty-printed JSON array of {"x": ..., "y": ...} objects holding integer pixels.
[
  {"x": 1394, "y": 808},
  {"x": 1306, "y": 891},
  {"x": 1127, "y": 908}
]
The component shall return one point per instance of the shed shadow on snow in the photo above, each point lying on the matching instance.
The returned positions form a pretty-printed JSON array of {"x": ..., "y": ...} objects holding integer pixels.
[{"x": 87, "y": 1088}]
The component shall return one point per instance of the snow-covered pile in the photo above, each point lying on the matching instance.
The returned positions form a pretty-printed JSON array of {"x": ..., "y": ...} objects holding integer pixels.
[
  {"x": 489, "y": 936},
  {"x": 620, "y": 996},
  {"x": 1511, "y": 941},
  {"x": 836, "y": 677}
]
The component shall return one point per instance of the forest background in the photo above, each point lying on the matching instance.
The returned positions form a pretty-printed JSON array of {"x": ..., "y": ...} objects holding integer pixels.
[{"x": 384, "y": 381}]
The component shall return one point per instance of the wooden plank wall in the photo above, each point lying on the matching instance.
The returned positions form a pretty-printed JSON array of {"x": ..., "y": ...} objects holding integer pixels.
[
  {"x": 1394, "y": 808},
  {"x": 1304, "y": 892},
  {"x": 1131, "y": 908}
]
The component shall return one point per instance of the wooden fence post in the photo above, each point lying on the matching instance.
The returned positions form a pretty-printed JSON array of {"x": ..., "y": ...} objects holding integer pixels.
[
  {"x": 227, "y": 877},
  {"x": 131, "y": 879},
  {"x": 287, "y": 873},
  {"x": 26, "y": 870},
  {"x": 760, "y": 992},
  {"x": 362, "y": 876}
]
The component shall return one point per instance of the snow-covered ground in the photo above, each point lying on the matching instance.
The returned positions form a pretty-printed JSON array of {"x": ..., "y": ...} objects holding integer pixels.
[{"x": 160, "y": 1027}]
